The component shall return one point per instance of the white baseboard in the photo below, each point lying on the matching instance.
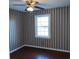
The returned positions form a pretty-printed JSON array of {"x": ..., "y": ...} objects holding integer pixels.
[
  {"x": 16, "y": 49},
  {"x": 38, "y": 47},
  {"x": 47, "y": 48}
]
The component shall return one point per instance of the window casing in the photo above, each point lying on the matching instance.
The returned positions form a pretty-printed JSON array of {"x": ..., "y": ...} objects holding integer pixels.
[{"x": 42, "y": 26}]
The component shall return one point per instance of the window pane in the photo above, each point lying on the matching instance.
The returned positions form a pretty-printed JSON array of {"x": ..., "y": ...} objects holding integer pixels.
[
  {"x": 46, "y": 29},
  {"x": 42, "y": 26},
  {"x": 42, "y": 29},
  {"x": 40, "y": 33},
  {"x": 38, "y": 28},
  {"x": 42, "y": 21},
  {"x": 46, "y": 33}
]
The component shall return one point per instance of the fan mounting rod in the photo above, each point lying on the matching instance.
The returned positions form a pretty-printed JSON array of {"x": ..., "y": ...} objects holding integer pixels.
[{"x": 31, "y": 3}]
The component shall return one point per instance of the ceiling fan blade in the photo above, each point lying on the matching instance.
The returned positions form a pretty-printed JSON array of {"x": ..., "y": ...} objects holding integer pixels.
[
  {"x": 25, "y": 9},
  {"x": 39, "y": 7},
  {"x": 18, "y": 4}
]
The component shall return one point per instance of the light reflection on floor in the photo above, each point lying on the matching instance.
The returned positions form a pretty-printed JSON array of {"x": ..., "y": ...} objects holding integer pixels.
[{"x": 42, "y": 57}]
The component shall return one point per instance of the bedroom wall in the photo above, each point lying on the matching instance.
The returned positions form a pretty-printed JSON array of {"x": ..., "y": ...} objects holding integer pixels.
[
  {"x": 15, "y": 29},
  {"x": 60, "y": 29}
]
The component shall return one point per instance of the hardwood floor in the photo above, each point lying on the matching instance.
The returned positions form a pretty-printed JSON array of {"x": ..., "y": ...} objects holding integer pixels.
[{"x": 35, "y": 53}]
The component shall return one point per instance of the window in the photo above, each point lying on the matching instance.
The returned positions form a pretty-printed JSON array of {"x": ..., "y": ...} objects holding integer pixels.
[{"x": 42, "y": 26}]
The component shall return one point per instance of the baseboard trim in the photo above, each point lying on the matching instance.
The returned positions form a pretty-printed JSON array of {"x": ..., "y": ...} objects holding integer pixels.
[
  {"x": 46, "y": 48},
  {"x": 16, "y": 49},
  {"x": 39, "y": 47}
]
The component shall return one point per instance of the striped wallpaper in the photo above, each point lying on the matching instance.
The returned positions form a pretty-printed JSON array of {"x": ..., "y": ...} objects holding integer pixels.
[
  {"x": 60, "y": 29},
  {"x": 15, "y": 29}
]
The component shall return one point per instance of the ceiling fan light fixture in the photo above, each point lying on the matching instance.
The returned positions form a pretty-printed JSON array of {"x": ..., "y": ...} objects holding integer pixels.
[{"x": 29, "y": 9}]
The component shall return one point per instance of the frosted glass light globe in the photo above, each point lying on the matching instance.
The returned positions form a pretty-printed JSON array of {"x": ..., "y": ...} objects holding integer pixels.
[{"x": 29, "y": 9}]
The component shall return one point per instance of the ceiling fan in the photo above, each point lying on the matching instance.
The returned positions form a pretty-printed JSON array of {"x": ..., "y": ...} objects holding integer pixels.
[{"x": 30, "y": 5}]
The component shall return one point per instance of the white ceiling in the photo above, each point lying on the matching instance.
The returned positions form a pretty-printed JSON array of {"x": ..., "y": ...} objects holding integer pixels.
[{"x": 43, "y": 3}]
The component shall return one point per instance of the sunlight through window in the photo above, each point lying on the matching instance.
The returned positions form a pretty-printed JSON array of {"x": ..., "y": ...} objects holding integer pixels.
[{"x": 42, "y": 26}]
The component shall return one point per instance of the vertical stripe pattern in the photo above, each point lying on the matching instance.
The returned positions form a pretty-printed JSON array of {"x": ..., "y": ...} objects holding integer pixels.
[
  {"x": 15, "y": 29},
  {"x": 60, "y": 36}
]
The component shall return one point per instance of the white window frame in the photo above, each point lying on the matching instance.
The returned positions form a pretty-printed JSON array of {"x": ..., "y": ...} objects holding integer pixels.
[{"x": 49, "y": 23}]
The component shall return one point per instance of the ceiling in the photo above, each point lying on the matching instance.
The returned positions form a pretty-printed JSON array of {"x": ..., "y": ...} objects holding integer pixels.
[{"x": 43, "y": 3}]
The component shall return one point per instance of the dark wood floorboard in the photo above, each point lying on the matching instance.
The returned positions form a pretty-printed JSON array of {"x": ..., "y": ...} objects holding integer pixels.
[{"x": 35, "y": 53}]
